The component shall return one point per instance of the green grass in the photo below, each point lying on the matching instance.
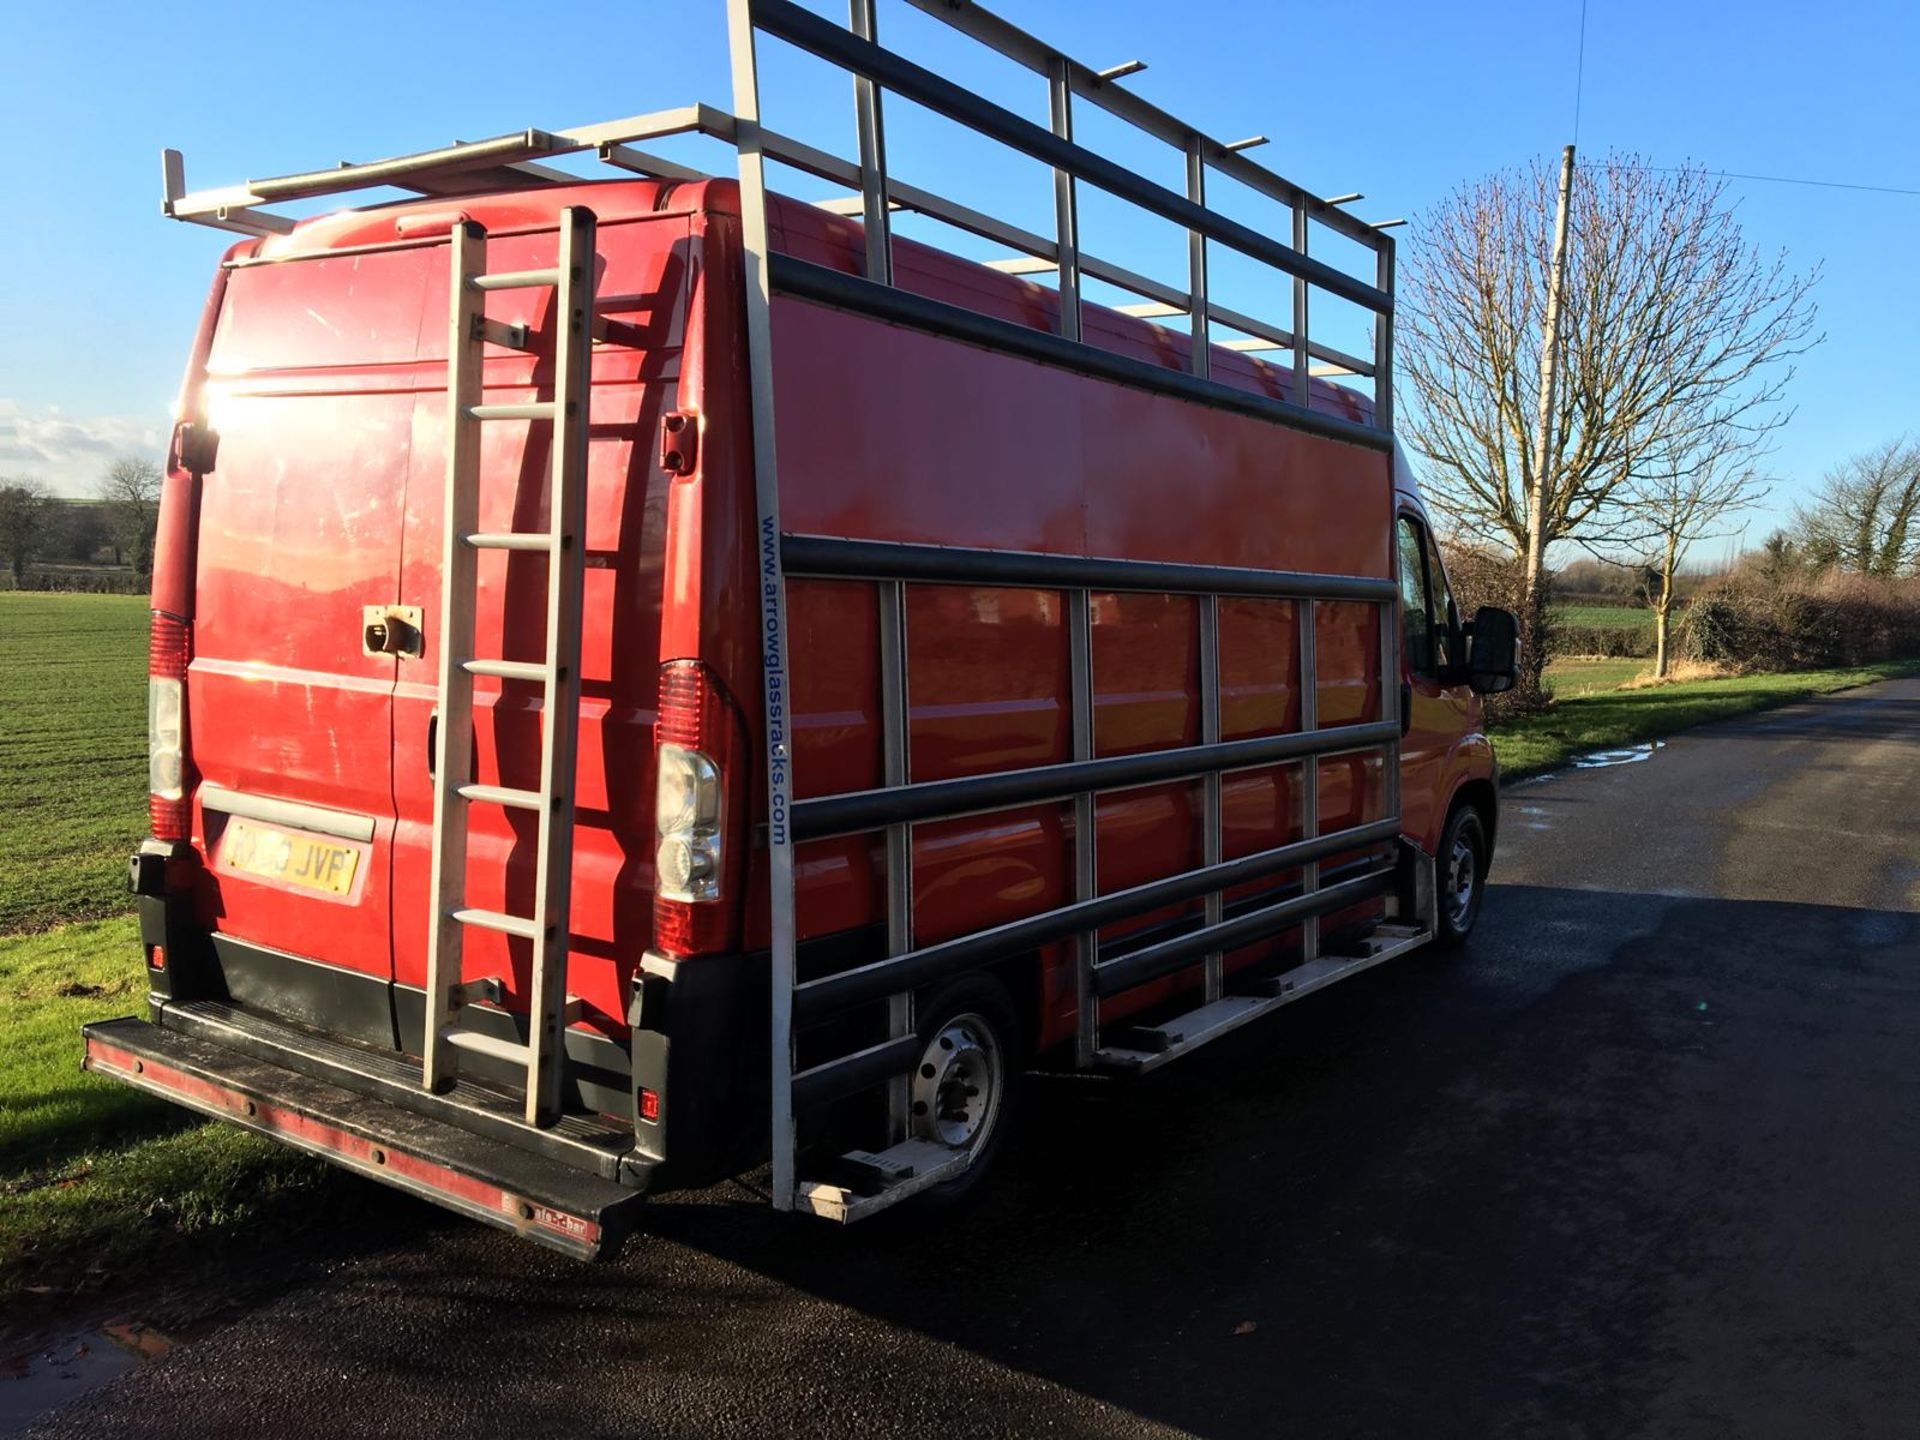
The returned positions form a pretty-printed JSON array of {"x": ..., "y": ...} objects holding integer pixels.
[
  {"x": 1528, "y": 744},
  {"x": 1583, "y": 677},
  {"x": 73, "y": 754},
  {"x": 1595, "y": 617},
  {"x": 96, "y": 1179}
]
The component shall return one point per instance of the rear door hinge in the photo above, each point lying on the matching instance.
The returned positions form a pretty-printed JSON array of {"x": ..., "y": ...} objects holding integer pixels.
[{"x": 679, "y": 441}]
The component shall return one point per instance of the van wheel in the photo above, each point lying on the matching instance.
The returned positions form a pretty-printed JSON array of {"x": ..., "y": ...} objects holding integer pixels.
[
  {"x": 966, "y": 1084},
  {"x": 1461, "y": 878}
]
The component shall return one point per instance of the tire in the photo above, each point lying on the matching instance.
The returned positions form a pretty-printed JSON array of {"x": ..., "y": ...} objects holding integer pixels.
[
  {"x": 1460, "y": 875},
  {"x": 966, "y": 1089}
]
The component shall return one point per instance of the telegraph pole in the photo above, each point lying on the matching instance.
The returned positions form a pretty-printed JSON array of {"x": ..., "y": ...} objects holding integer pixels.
[{"x": 1543, "y": 430}]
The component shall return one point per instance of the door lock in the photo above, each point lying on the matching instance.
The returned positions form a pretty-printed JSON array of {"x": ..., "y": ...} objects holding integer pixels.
[{"x": 391, "y": 630}]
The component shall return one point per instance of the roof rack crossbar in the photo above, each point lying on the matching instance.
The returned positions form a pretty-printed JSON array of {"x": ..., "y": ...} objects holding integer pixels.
[
  {"x": 1090, "y": 85},
  {"x": 511, "y": 161},
  {"x": 821, "y": 37}
]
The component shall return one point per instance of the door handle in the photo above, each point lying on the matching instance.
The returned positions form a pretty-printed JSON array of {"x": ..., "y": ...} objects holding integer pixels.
[
  {"x": 433, "y": 742},
  {"x": 391, "y": 630},
  {"x": 1406, "y": 706}
]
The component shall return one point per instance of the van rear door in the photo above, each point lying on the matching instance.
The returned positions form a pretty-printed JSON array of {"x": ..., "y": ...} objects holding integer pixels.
[{"x": 315, "y": 389}]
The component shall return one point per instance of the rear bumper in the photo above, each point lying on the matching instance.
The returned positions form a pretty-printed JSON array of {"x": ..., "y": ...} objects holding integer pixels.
[
  {"x": 539, "y": 1198},
  {"x": 697, "y": 1044}
]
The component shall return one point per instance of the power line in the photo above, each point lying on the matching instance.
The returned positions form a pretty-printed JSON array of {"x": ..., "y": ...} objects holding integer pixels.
[
  {"x": 1777, "y": 179},
  {"x": 1580, "y": 72},
  {"x": 1579, "y": 91}
]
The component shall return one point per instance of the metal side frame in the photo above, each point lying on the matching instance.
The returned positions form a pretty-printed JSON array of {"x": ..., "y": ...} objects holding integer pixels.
[
  {"x": 1104, "y": 970},
  {"x": 909, "y": 1165}
]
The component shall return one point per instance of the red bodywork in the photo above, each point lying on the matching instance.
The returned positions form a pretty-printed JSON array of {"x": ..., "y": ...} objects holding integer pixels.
[{"x": 324, "y": 374}]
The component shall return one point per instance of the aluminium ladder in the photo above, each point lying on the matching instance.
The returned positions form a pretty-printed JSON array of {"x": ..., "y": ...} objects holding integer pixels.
[{"x": 557, "y": 674}]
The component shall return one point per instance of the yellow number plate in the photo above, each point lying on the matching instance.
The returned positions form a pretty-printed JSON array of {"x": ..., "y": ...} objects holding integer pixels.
[{"x": 291, "y": 859}]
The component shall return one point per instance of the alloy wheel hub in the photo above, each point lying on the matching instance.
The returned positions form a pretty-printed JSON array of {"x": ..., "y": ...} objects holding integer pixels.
[
  {"x": 956, "y": 1087},
  {"x": 1462, "y": 870}
]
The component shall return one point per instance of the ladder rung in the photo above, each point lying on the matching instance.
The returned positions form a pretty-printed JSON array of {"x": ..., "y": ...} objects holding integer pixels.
[
  {"x": 527, "y": 410},
  {"x": 494, "y": 920},
  {"x": 512, "y": 540},
  {"x": 517, "y": 279},
  {"x": 481, "y": 1044},
  {"x": 507, "y": 669},
  {"x": 504, "y": 795}
]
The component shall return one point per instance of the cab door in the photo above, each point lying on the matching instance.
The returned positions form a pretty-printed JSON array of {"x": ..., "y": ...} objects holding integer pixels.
[{"x": 1433, "y": 714}]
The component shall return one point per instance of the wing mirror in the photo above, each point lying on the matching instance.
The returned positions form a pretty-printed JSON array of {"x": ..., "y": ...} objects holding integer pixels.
[{"x": 1493, "y": 654}]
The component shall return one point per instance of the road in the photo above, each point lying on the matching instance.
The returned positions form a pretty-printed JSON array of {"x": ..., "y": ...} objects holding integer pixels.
[{"x": 1645, "y": 1160}]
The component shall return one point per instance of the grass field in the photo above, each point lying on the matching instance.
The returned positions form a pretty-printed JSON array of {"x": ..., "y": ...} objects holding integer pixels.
[
  {"x": 1594, "y": 617},
  {"x": 1583, "y": 677},
  {"x": 93, "y": 1176},
  {"x": 73, "y": 754}
]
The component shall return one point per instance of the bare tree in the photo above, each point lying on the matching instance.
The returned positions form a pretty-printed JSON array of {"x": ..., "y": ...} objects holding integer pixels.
[
  {"x": 1673, "y": 329},
  {"x": 25, "y": 518},
  {"x": 131, "y": 492},
  {"x": 1866, "y": 516},
  {"x": 1678, "y": 504}
]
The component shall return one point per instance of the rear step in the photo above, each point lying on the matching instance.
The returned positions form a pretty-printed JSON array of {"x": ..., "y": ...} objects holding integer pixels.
[
  {"x": 537, "y": 1198},
  {"x": 1141, "y": 1048},
  {"x": 580, "y": 1141}
]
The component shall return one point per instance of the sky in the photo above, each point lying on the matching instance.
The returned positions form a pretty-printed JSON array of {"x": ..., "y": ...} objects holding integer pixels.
[{"x": 99, "y": 294}]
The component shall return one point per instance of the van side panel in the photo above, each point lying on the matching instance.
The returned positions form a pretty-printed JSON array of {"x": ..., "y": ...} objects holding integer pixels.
[{"x": 913, "y": 437}]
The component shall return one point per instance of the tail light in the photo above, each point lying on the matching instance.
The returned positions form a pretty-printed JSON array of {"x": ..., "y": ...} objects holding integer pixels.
[
  {"x": 167, "y": 653},
  {"x": 694, "y": 747}
]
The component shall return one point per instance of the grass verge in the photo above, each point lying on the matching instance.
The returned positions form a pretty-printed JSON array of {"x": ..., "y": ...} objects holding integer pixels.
[
  {"x": 1577, "y": 723},
  {"x": 73, "y": 754},
  {"x": 97, "y": 1180}
]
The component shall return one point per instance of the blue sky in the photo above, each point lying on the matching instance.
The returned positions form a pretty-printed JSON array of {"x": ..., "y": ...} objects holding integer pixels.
[{"x": 99, "y": 295}]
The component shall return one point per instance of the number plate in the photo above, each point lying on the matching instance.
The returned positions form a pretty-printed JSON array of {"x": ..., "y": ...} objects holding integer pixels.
[{"x": 289, "y": 858}]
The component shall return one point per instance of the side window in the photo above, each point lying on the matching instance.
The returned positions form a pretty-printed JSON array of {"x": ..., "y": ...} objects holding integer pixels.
[
  {"x": 1416, "y": 615},
  {"x": 1444, "y": 616}
]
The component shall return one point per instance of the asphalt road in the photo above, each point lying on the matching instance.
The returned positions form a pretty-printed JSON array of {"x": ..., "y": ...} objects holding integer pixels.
[{"x": 1643, "y": 1161}]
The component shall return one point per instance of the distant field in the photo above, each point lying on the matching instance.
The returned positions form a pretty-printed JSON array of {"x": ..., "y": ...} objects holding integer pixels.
[
  {"x": 73, "y": 754},
  {"x": 1583, "y": 677},
  {"x": 1598, "y": 617}
]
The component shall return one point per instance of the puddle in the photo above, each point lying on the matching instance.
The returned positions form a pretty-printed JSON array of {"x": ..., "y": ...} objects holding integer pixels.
[
  {"x": 1626, "y": 755},
  {"x": 57, "y": 1372}
]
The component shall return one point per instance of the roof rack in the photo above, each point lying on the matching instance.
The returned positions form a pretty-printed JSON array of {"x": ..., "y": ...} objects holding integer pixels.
[{"x": 512, "y": 161}]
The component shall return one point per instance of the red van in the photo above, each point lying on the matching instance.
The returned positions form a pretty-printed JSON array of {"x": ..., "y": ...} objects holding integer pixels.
[{"x": 651, "y": 677}]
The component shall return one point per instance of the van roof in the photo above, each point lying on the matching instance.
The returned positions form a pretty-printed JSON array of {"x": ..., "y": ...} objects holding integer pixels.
[{"x": 797, "y": 227}]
